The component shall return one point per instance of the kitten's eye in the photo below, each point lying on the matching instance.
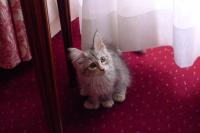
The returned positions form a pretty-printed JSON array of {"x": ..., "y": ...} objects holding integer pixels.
[
  {"x": 93, "y": 65},
  {"x": 103, "y": 59}
]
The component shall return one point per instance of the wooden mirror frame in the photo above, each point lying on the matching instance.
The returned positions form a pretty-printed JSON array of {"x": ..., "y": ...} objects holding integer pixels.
[{"x": 38, "y": 32}]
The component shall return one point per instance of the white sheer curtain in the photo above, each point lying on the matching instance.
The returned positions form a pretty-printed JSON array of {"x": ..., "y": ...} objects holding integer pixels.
[{"x": 140, "y": 24}]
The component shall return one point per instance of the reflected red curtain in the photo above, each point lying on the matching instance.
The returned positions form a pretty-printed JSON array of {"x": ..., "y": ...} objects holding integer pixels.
[{"x": 14, "y": 46}]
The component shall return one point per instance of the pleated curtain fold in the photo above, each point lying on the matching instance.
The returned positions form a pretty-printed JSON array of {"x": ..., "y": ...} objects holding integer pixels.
[{"x": 14, "y": 46}]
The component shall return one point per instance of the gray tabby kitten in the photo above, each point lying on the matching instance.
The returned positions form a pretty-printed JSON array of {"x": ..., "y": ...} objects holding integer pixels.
[{"x": 102, "y": 74}]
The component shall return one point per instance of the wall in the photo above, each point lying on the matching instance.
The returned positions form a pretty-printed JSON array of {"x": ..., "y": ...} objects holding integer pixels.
[
  {"x": 54, "y": 16},
  {"x": 74, "y": 9}
]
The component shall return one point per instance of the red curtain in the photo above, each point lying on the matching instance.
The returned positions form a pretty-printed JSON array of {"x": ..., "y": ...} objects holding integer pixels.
[{"x": 14, "y": 46}]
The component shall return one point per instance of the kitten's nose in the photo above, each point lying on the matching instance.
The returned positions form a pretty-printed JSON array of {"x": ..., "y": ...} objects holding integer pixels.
[{"x": 101, "y": 68}]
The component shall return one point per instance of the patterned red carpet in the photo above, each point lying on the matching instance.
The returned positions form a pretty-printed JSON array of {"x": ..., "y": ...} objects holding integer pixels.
[{"x": 162, "y": 99}]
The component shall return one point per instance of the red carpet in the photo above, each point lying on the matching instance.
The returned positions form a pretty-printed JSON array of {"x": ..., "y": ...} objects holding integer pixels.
[{"x": 162, "y": 99}]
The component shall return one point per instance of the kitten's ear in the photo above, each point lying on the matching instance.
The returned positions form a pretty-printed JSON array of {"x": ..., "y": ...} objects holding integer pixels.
[
  {"x": 75, "y": 54},
  {"x": 98, "y": 42}
]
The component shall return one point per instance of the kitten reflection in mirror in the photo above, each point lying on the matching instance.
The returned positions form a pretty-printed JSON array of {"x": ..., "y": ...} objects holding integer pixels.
[{"x": 103, "y": 75}]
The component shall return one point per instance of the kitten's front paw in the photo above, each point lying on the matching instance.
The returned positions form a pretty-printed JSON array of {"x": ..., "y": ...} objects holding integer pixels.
[
  {"x": 108, "y": 103},
  {"x": 89, "y": 105},
  {"x": 119, "y": 97}
]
